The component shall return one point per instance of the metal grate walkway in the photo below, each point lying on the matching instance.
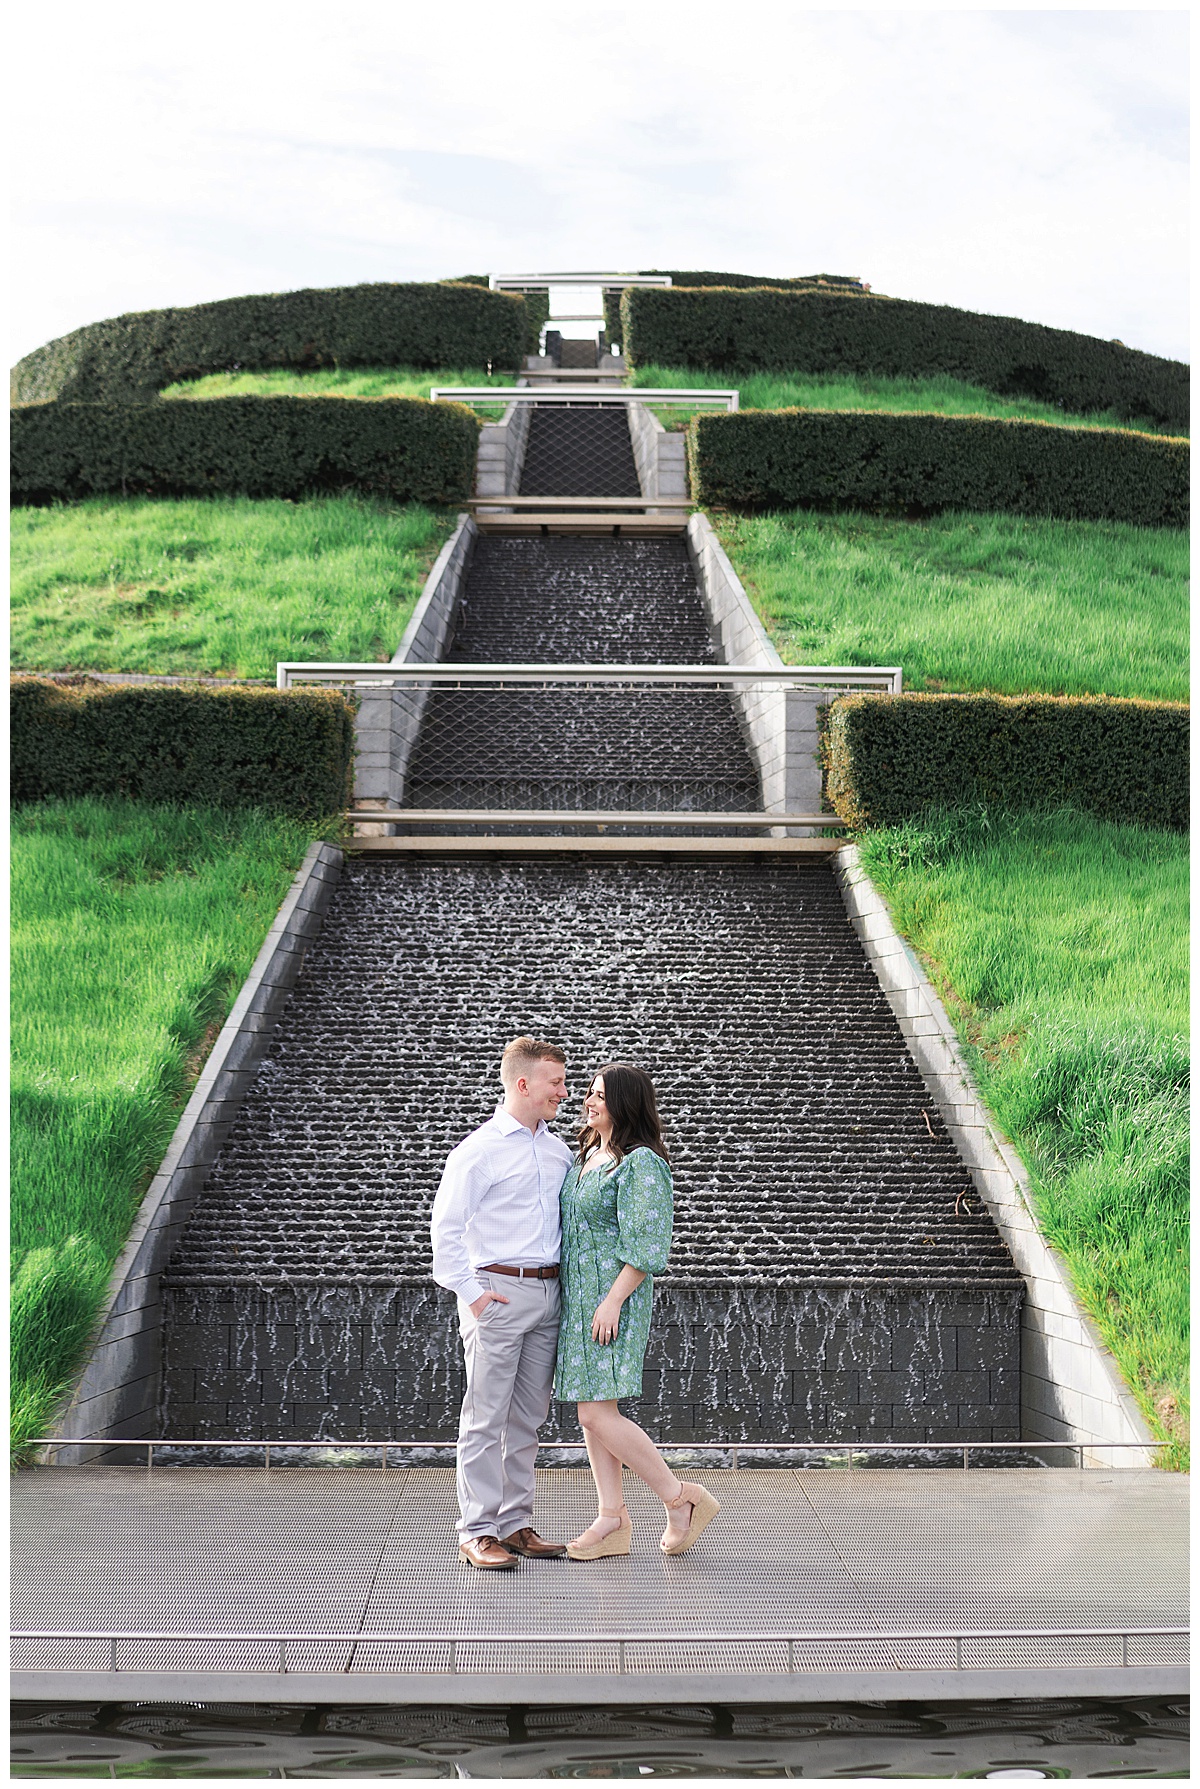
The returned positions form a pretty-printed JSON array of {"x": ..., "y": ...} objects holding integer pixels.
[{"x": 819, "y": 1584}]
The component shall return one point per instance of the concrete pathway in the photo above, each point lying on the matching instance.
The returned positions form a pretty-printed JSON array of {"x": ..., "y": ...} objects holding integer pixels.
[{"x": 797, "y": 1592}]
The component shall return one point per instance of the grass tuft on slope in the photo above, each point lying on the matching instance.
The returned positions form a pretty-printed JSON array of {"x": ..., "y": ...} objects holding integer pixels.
[
  {"x": 215, "y": 586},
  {"x": 873, "y": 391},
  {"x": 336, "y": 382},
  {"x": 133, "y": 928},
  {"x": 1060, "y": 943},
  {"x": 964, "y": 601}
]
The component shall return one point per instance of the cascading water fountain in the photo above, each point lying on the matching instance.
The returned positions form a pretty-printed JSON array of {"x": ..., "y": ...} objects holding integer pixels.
[{"x": 833, "y": 1274}]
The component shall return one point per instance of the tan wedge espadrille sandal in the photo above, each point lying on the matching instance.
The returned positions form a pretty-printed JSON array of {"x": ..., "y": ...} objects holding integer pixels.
[
  {"x": 612, "y": 1545},
  {"x": 704, "y": 1508}
]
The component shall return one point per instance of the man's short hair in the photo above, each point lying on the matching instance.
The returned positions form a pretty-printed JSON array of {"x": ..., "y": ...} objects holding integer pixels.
[{"x": 520, "y": 1056}]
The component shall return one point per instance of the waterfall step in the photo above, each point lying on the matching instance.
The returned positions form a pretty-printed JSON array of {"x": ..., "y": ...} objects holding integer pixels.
[
  {"x": 799, "y": 1124},
  {"x": 581, "y": 602}
]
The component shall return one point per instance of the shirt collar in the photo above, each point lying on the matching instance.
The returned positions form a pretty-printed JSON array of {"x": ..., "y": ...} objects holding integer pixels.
[{"x": 507, "y": 1124}]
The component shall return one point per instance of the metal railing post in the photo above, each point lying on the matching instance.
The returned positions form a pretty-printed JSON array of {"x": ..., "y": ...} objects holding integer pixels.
[
  {"x": 958, "y": 1645},
  {"x": 454, "y": 1658},
  {"x": 283, "y": 1657}
]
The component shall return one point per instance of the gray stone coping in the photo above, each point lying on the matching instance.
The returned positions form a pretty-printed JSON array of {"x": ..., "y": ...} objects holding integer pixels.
[{"x": 1071, "y": 1386}]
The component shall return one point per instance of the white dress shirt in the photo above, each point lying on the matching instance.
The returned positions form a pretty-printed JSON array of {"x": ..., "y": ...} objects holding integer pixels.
[{"x": 498, "y": 1201}]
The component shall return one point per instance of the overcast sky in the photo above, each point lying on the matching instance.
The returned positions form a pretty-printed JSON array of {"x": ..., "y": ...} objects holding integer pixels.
[{"x": 1031, "y": 163}]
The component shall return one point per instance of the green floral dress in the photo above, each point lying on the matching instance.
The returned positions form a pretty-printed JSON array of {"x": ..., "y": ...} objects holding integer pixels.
[{"x": 610, "y": 1217}]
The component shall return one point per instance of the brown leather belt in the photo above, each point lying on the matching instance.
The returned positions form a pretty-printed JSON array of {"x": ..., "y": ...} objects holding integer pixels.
[{"x": 524, "y": 1273}]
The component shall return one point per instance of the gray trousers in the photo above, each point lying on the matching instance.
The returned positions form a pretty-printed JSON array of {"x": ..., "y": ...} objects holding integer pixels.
[{"x": 510, "y": 1353}]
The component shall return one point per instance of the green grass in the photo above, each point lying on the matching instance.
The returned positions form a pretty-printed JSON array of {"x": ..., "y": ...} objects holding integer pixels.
[
  {"x": 1061, "y": 944},
  {"x": 850, "y": 391},
  {"x": 973, "y": 602},
  {"x": 337, "y": 382},
  {"x": 215, "y": 586},
  {"x": 133, "y": 928}
]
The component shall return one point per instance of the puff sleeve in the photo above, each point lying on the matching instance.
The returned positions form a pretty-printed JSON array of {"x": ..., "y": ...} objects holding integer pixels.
[{"x": 644, "y": 1211}]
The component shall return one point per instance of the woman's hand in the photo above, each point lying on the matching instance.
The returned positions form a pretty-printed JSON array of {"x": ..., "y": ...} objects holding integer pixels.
[{"x": 606, "y": 1319}]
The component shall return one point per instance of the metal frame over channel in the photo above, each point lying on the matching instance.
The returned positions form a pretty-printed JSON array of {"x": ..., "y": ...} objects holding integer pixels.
[
  {"x": 712, "y": 397},
  {"x": 544, "y": 282},
  {"x": 882, "y": 679}
]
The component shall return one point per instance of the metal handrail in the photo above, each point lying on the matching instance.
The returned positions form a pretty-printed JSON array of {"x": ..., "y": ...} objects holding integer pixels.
[
  {"x": 887, "y": 679},
  {"x": 790, "y": 1638},
  {"x": 724, "y": 397},
  {"x": 613, "y": 282},
  {"x": 592, "y": 817}
]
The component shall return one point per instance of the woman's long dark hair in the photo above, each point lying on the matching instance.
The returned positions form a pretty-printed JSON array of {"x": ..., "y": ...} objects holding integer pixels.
[{"x": 630, "y": 1098}]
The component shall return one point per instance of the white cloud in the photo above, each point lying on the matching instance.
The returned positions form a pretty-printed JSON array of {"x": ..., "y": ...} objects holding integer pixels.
[{"x": 1013, "y": 161}]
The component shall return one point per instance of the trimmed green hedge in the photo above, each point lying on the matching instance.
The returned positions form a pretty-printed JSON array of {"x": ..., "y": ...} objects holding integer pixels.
[
  {"x": 887, "y": 758},
  {"x": 287, "y": 750},
  {"x": 824, "y": 332},
  {"x": 399, "y": 448},
  {"x": 793, "y": 282},
  {"x": 128, "y": 359},
  {"x": 921, "y": 461},
  {"x": 537, "y": 308},
  {"x": 805, "y": 282}
]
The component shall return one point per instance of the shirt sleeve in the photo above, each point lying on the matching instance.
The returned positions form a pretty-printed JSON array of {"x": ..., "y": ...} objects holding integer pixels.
[
  {"x": 644, "y": 1211},
  {"x": 454, "y": 1205}
]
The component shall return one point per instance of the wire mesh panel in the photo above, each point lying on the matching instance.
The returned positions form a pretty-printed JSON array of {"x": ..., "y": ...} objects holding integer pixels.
[
  {"x": 579, "y": 450},
  {"x": 480, "y": 740},
  {"x": 619, "y": 746}
]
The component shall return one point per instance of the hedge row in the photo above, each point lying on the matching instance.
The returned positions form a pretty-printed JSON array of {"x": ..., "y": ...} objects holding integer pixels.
[
  {"x": 922, "y": 462},
  {"x": 823, "y": 332},
  {"x": 797, "y": 282},
  {"x": 890, "y": 757},
  {"x": 537, "y": 308},
  {"x": 806, "y": 282},
  {"x": 128, "y": 359},
  {"x": 400, "y": 448},
  {"x": 233, "y": 747}
]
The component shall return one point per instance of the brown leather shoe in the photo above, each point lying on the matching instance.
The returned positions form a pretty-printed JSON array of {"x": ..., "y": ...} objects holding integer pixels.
[
  {"x": 485, "y": 1551},
  {"x": 531, "y": 1545}
]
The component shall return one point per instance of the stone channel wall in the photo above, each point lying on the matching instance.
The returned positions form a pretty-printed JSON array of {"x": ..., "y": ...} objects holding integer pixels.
[
  {"x": 780, "y": 727},
  {"x": 735, "y": 1363},
  {"x": 389, "y": 720},
  {"x": 500, "y": 457},
  {"x": 659, "y": 454}
]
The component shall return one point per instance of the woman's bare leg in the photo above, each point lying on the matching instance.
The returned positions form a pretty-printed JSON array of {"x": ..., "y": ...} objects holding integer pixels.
[
  {"x": 606, "y": 1471},
  {"x": 619, "y": 1439}
]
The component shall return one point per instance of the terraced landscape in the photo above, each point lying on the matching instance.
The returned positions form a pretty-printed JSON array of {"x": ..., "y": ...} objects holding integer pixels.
[{"x": 1059, "y": 941}]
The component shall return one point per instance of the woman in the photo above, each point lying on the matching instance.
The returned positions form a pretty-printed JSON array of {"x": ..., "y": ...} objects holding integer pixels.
[{"x": 616, "y": 1221}]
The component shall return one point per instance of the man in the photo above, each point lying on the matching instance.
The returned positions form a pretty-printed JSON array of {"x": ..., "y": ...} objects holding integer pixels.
[{"x": 496, "y": 1236}]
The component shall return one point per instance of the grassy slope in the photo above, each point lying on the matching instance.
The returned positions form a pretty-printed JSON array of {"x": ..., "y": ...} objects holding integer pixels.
[
  {"x": 341, "y": 382},
  {"x": 133, "y": 928},
  {"x": 850, "y": 391},
  {"x": 220, "y": 586},
  {"x": 971, "y": 602},
  {"x": 1061, "y": 944}
]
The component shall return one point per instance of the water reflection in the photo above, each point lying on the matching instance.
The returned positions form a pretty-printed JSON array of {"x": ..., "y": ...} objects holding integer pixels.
[{"x": 1129, "y": 1737}]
